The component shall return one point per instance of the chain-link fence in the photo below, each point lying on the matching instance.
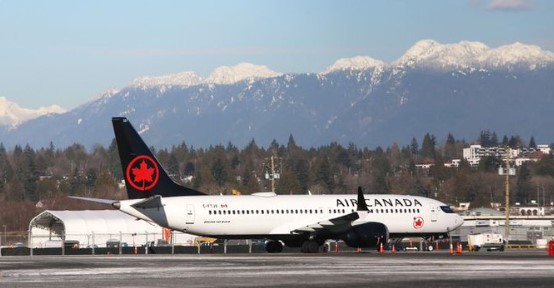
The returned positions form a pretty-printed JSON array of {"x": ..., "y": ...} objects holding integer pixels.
[{"x": 180, "y": 243}]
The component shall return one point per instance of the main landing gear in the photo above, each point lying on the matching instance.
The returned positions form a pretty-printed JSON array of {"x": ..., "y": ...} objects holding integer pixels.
[
  {"x": 310, "y": 246},
  {"x": 272, "y": 246}
]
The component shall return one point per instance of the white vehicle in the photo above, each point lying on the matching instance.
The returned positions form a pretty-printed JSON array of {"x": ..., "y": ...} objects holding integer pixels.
[
  {"x": 489, "y": 241},
  {"x": 304, "y": 221}
]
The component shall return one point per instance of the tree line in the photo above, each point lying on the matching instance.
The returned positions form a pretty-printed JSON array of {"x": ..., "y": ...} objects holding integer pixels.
[{"x": 32, "y": 180}]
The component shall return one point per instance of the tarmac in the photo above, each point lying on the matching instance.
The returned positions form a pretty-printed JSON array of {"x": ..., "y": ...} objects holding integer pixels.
[{"x": 513, "y": 268}]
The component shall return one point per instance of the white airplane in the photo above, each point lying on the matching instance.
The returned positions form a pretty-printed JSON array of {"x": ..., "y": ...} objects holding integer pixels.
[{"x": 305, "y": 221}]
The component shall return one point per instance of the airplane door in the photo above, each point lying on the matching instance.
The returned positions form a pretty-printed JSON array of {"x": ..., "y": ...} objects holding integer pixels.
[
  {"x": 434, "y": 214},
  {"x": 189, "y": 219}
]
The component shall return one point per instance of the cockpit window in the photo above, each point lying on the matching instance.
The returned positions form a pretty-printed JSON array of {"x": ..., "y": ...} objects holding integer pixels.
[{"x": 447, "y": 209}]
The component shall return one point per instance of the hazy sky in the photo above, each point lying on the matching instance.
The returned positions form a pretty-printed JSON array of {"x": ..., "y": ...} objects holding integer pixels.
[{"x": 66, "y": 52}]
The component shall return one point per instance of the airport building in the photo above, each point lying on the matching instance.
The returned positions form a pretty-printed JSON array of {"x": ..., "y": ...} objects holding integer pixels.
[{"x": 98, "y": 228}]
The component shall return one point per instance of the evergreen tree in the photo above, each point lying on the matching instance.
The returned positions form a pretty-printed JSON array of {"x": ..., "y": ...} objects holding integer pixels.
[
  {"x": 428, "y": 147},
  {"x": 113, "y": 162},
  {"x": 288, "y": 184},
  {"x": 523, "y": 186},
  {"x": 6, "y": 171},
  {"x": 485, "y": 138},
  {"x": 532, "y": 143},
  {"x": 291, "y": 145},
  {"x": 173, "y": 165},
  {"x": 494, "y": 140},
  {"x": 489, "y": 164},
  {"x": 450, "y": 148},
  {"x": 219, "y": 171},
  {"x": 382, "y": 172},
  {"x": 414, "y": 147},
  {"x": 545, "y": 166},
  {"x": 505, "y": 141},
  {"x": 515, "y": 142}
]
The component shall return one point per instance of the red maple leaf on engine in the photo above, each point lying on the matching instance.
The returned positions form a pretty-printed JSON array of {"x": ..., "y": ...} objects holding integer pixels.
[{"x": 143, "y": 173}]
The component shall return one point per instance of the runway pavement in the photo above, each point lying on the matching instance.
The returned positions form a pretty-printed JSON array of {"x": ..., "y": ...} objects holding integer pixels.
[{"x": 525, "y": 268}]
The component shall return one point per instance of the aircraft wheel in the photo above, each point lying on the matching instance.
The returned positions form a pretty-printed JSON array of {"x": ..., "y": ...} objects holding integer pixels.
[
  {"x": 273, "y": 247},
  {"x": 310, "y": 246}
]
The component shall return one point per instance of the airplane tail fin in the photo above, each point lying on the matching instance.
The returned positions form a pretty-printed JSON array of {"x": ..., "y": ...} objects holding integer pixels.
[{"x": 144, "y": 176}]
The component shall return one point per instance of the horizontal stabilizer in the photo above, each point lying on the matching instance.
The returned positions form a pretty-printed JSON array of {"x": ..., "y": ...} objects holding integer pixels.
[{"x": 95, "y": 200}]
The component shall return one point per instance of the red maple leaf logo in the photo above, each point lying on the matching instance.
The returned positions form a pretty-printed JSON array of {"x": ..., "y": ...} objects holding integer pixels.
[
  {"x": 144, "y": 175},
  {"x": 418, "y": 222}
]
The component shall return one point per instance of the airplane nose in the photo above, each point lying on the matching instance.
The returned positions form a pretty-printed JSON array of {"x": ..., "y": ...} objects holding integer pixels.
[{"x": 459, "y": 220}]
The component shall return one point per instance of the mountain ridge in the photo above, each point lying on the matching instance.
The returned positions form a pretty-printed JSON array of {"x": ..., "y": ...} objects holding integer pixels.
[{"x": 357, "y": 100}]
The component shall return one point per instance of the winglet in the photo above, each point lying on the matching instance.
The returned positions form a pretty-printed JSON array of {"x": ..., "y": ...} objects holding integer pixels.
[{"x": 362, "y": 206}]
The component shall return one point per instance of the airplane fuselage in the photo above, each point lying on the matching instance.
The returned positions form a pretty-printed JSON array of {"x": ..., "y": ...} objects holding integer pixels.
[{"x": 266, "y": 215}]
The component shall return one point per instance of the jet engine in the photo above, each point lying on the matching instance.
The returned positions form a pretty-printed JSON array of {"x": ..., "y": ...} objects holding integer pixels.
[{"x": 366, "y": 235}]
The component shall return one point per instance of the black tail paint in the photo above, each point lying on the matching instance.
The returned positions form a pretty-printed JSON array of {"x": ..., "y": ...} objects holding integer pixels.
[{"x": 143, "y": 174}]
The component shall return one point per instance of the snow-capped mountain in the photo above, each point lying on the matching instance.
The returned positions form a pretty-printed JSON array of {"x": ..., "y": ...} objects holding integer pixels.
[
  {"x": 473, "y": 55},
  {"x": 185, "y": 79},
  {"x": 354, "y": 63},
  {"x": 240, "y": 72},
  {"x": 433, "y": 88},
  {"x": 12, "y": 115},
  {"x": 221, "y": 75}
]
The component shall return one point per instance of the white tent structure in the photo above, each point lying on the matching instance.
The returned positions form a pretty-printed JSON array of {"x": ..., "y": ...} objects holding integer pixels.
[{"x": 93, "y": 228}]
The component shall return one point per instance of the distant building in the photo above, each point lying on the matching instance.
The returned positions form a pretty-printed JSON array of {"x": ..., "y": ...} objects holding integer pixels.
[{"x": 474, "y": 153}]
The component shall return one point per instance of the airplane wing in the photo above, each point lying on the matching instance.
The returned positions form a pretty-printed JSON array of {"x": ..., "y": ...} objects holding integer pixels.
[
  {"x": 338, "y": 224},
  {"x": 335, "y": 225}
]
